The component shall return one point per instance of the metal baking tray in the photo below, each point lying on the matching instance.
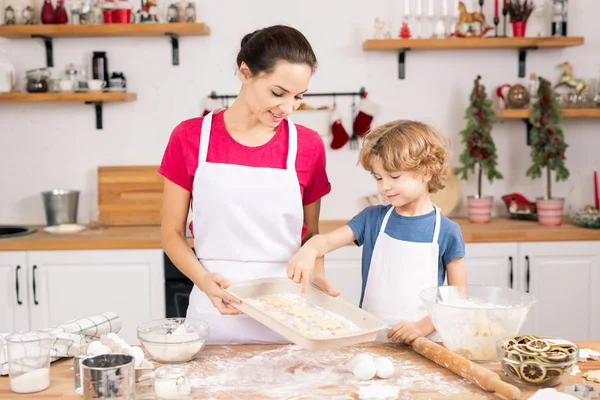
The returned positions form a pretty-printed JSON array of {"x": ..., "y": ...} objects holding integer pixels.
[{"x": 369, "y": 324}]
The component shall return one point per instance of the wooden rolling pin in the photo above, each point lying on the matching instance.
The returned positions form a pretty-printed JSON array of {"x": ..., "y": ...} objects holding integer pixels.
[{"x": 480, "y": 376}]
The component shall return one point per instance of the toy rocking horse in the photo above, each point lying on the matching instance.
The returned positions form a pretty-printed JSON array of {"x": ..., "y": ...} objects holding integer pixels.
[
  {"x": 567, "y": 79},
  {"x": 470, "y": 18}
]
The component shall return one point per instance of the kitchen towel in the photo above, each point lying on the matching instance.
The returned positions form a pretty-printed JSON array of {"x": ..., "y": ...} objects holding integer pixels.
[{"x": 70, "y": 336}]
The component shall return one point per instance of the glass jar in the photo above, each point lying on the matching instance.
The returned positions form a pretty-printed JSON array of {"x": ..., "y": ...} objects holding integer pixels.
[
  {"x": 172, "y": 382},
  {"x": 37, "y": 80},
  {"x": 29, "y": 361}
]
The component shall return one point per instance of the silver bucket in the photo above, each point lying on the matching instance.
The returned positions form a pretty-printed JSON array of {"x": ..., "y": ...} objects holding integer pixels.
[
  {"x": 61, "y": 206},
  {"x": 109, "y": 376}
]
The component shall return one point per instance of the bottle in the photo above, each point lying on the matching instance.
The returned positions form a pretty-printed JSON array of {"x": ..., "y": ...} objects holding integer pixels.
[
  {"x": 559, "y": 17},
  {"x": 532, "y": 88},
  {"x": 100, "y": 66}
]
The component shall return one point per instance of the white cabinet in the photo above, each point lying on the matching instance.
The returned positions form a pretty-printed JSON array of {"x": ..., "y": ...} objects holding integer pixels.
[
  {"x": 343, "y": 270},
  {"x": 491, "y": 264},
  {"x": 64, "y": 285},
  {"x": 14, "y": 315}
]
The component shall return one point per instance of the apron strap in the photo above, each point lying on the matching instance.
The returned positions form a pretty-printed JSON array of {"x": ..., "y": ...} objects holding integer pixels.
[
  {"x": 292, "y": 146},
  {"x": 436, "y": 231},
  {"x": 205, "y": 137},
  {"x": 385, "y": 220}
]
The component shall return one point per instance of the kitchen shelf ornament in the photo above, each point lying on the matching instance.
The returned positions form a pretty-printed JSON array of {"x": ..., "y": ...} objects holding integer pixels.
[
  {"x": 479, "y": 152},
  {"x": 470, "y": 19},
  {"x": 548, "y": 148},
  {"x": 519, "y": 12}
]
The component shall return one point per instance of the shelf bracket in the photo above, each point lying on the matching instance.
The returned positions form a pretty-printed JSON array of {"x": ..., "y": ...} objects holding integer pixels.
[
  {"x": 98, "y": 107},
  {"x": 402, "y": 63},
  {"x": 523, "y": 58},
  {"x": 49, "y": 52},
  {"x": 528, "y": 126},
  {"x": 174, "y": 46}
]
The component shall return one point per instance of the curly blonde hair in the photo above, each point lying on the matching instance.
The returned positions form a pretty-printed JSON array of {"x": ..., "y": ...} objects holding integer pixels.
[{"x": 408, "y": 146}]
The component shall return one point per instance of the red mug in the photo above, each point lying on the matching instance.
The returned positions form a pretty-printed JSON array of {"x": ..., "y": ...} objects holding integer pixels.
[
  {"x": 122, "y": 16},
  {"x": 108, "y": 16}
]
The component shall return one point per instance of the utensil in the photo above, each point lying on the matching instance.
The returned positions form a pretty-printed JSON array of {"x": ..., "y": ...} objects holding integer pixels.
[
  {"x": 109, "y": 376},
  {"x": 61, "y": 206},
  {"x": 474, "y": 373}
]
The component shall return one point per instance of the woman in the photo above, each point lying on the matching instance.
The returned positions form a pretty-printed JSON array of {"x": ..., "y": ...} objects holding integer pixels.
[{"x": 255, "y": 181}]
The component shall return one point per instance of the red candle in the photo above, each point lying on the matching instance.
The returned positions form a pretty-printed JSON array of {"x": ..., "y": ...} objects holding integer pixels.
[
  {"x": 496, "y": 8},
  {"x": 597, "y": 203}
]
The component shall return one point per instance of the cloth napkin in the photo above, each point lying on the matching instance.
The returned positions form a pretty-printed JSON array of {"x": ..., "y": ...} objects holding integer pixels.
[{"x": 70, "y": 336}]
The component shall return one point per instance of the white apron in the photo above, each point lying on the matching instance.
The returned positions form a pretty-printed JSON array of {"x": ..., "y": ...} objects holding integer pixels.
[
  {"x": 399, "y": 271},
  {"x": 247, "y": 225}
]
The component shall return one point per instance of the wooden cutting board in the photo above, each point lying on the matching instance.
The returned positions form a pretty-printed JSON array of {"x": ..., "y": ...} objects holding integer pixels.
[{"x": 130, "y": 195}]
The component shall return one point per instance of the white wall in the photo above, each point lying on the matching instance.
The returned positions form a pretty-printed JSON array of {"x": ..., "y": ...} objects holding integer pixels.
[{"x": 44, "y": 146}]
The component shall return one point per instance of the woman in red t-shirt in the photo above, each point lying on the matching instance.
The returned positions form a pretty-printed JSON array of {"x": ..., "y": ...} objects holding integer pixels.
[{"x": 254, "y": 180}]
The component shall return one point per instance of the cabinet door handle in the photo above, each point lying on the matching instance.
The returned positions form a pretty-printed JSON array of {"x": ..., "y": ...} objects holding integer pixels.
[
  {"x": 19, "y": 302},
  {"x": 34, "y": 292},
  {"x": 511, "y": 276},
  {"x": 527, "y": 276}
]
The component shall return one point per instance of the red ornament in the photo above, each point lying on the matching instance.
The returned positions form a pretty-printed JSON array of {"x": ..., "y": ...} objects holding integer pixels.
[{"x": 404, "y": 31}]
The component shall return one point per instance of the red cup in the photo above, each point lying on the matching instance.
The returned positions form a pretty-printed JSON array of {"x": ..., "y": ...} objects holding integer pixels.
[
  {"x": 122, "y": 16},
  {"x": 108, "y": 16}
]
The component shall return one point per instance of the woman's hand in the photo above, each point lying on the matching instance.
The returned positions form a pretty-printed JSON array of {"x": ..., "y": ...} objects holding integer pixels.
[{"x": 212, "y": 284}]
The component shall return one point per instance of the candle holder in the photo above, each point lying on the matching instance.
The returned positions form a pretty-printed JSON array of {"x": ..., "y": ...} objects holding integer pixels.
[
  {"x": 496, "y": 22},
  {"x": 504, "y": 13}
]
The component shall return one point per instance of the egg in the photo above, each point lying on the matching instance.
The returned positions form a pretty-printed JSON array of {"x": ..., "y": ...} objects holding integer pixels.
[
  {"x": 99, "y": 350},
  {"x": 92, "y": 347},
  {"x": 138, "y": 354},
  {"x": 356, "y": 359},
  {"x": 384, "y": 367},
  {"x": 365, "y": 369}
]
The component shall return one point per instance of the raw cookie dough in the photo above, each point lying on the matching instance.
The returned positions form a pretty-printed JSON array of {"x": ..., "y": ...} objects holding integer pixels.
[
  {"x": 329, "y": 324},
  {"x": 302, "y": 312},
  {"x": 277, "y": 301},
  {"x": 593, "y": 376},
  {"x": 277, "y": 316}
]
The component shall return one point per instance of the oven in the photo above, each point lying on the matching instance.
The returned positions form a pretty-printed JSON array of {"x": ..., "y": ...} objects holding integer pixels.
[{"x": 177, "y": 290}]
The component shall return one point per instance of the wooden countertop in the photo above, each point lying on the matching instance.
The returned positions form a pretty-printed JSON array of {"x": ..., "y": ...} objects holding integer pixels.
[
  {"x": 148, "y": 237},
  {"x": 416, "y": 376}
]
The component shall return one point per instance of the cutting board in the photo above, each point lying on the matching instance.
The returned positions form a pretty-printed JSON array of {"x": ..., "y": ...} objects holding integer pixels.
[{"x": 130, "y": 195}]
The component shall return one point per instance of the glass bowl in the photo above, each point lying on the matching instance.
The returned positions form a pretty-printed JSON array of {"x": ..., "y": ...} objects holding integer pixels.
[
  {"x": 173, "y": 340},
  {"x": 536, "y": 360},
  {"x": 471, "y": 319}
]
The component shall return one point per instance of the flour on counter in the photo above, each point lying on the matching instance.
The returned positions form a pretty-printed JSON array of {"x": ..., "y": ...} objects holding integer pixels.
[{"x": 291, "y": 372}]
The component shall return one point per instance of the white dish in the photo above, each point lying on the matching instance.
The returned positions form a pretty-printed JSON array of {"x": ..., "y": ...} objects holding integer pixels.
[{"x": 64, "y": 229}]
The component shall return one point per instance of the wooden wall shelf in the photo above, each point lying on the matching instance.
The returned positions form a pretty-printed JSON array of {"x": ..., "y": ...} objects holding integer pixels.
[
  {"x": 48, "y": 32},
  {"x": 96, "y": 99},
  {"x": 521, "y": 44}
]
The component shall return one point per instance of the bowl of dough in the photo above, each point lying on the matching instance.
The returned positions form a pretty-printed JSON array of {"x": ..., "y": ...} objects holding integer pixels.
[
  {"x": 471, "y": 319},
  {"x": 536, "y": 360},
  {"x": 173, "y": 340}
]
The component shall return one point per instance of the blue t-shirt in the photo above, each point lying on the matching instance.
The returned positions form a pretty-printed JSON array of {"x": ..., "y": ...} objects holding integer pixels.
[{"x": 367, "y": 223}]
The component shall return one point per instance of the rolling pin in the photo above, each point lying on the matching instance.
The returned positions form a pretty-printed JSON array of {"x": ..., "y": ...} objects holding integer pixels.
[{"x": 476, "y": 374}]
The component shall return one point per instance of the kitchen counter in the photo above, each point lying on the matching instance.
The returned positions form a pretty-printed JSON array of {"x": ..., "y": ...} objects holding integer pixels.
[
  {"x": 283, "y": 369},
  {"x": 148, "y": 237}
]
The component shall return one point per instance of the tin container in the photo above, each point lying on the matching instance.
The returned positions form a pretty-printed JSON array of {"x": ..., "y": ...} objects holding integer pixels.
[
  {"x": 109, "y": 376},
  {"x": 368, "y": 324}
]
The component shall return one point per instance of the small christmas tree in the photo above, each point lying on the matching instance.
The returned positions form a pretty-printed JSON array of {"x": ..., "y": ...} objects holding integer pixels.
[
  {"x": 480, "y": 150},
  {"x": 547, "y": 140},
  {"x": 404, "y": 31}
]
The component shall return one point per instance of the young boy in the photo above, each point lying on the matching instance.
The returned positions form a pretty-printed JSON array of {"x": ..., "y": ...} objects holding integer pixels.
[{"x": 407, "y": 245}]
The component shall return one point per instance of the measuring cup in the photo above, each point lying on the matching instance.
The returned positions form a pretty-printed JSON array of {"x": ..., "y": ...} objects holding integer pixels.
[
  {"x": 171, "y": 382},
  {"x": 29, "y": 361}
]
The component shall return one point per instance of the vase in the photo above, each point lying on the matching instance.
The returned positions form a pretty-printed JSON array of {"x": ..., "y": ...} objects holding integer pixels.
[
  {"x": 550, "y": 211},
  {"x": 519, "y": 28},
  {"x": 480, "y": 209}
]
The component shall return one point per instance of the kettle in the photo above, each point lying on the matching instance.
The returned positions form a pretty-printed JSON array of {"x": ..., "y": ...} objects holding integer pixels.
[{"x": 517, "y": 96}]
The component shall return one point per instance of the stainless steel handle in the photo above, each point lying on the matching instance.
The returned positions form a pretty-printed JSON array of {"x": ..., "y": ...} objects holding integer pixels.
[
  {"x": 34, "y": 292},
  {"x": 511, "y": 276},
  {"x": 19, "y": 302},
  {"x": 527, "y": 276}
]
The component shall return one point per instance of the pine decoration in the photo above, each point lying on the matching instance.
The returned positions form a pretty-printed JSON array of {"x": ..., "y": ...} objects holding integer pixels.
[
  {"x": 547, "y": 140},
  {"x": 480, "y": 150}
]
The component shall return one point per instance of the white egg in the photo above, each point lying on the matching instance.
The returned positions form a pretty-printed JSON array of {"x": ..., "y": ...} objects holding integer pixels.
[
  {"x": 138, "y": 354},
  {"x": 356, "y": 359},
  {"x": 102, "y": 349},
  {"x": 385, "y": 367},
  {"x": 365, "y": 369},
  {"x": 93, "y": 346}
]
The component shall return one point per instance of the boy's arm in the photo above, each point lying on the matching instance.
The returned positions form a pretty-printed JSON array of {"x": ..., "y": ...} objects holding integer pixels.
[
  {"x": 303, "y": 262},
  {"x": 406, "y": 332},
  {"x": 457, "y": 272}
]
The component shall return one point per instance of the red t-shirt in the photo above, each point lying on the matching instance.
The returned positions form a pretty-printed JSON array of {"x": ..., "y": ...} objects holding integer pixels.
[{"x": 180, "y": 159}]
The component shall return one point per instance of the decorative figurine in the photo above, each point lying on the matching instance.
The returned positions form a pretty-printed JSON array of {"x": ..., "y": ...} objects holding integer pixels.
[
  {"x": 381, "y": 31},
  {"x": 470, "y": 18},
  {"x": 568, "y": 80},
  {"x": 9, "y": 16},
  {"x": 28, "y": 17},
  {"x": 517, "y": 97},
  {"x": 149, "y": 12},
  {"x": 404, "y": 31},
  {"x": 172, "y": 13},
  {"x": 190, "y": 13}
]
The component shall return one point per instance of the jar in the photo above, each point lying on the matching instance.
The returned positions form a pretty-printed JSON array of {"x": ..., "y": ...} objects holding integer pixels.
[
  {"x": 171, "y": 382},
  {"x": 37, "y": 80}
]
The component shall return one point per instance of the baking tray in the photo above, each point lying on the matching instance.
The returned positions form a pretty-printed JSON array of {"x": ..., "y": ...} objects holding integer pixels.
[{"x": 368, "y": 324}]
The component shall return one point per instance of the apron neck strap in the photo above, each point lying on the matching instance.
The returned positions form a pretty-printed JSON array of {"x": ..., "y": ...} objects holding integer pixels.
[
  {"x": 385, "y": 219},
  {"x": 205, "y": 137},
  {"x": 292, "y": 146}
]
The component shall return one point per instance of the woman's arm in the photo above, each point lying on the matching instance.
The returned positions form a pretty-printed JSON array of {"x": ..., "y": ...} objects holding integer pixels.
[{"x": 176, "y": 202}]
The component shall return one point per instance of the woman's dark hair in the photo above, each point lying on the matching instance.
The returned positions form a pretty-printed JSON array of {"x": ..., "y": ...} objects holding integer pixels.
[{"x": 261, "y": 49}]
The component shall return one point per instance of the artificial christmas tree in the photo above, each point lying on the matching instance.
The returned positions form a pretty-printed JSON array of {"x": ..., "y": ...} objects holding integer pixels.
[
  {"x": 547, "y": 151},
  {"x": 404, "y": 31},
  {"x": 479, "y": 151}
]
